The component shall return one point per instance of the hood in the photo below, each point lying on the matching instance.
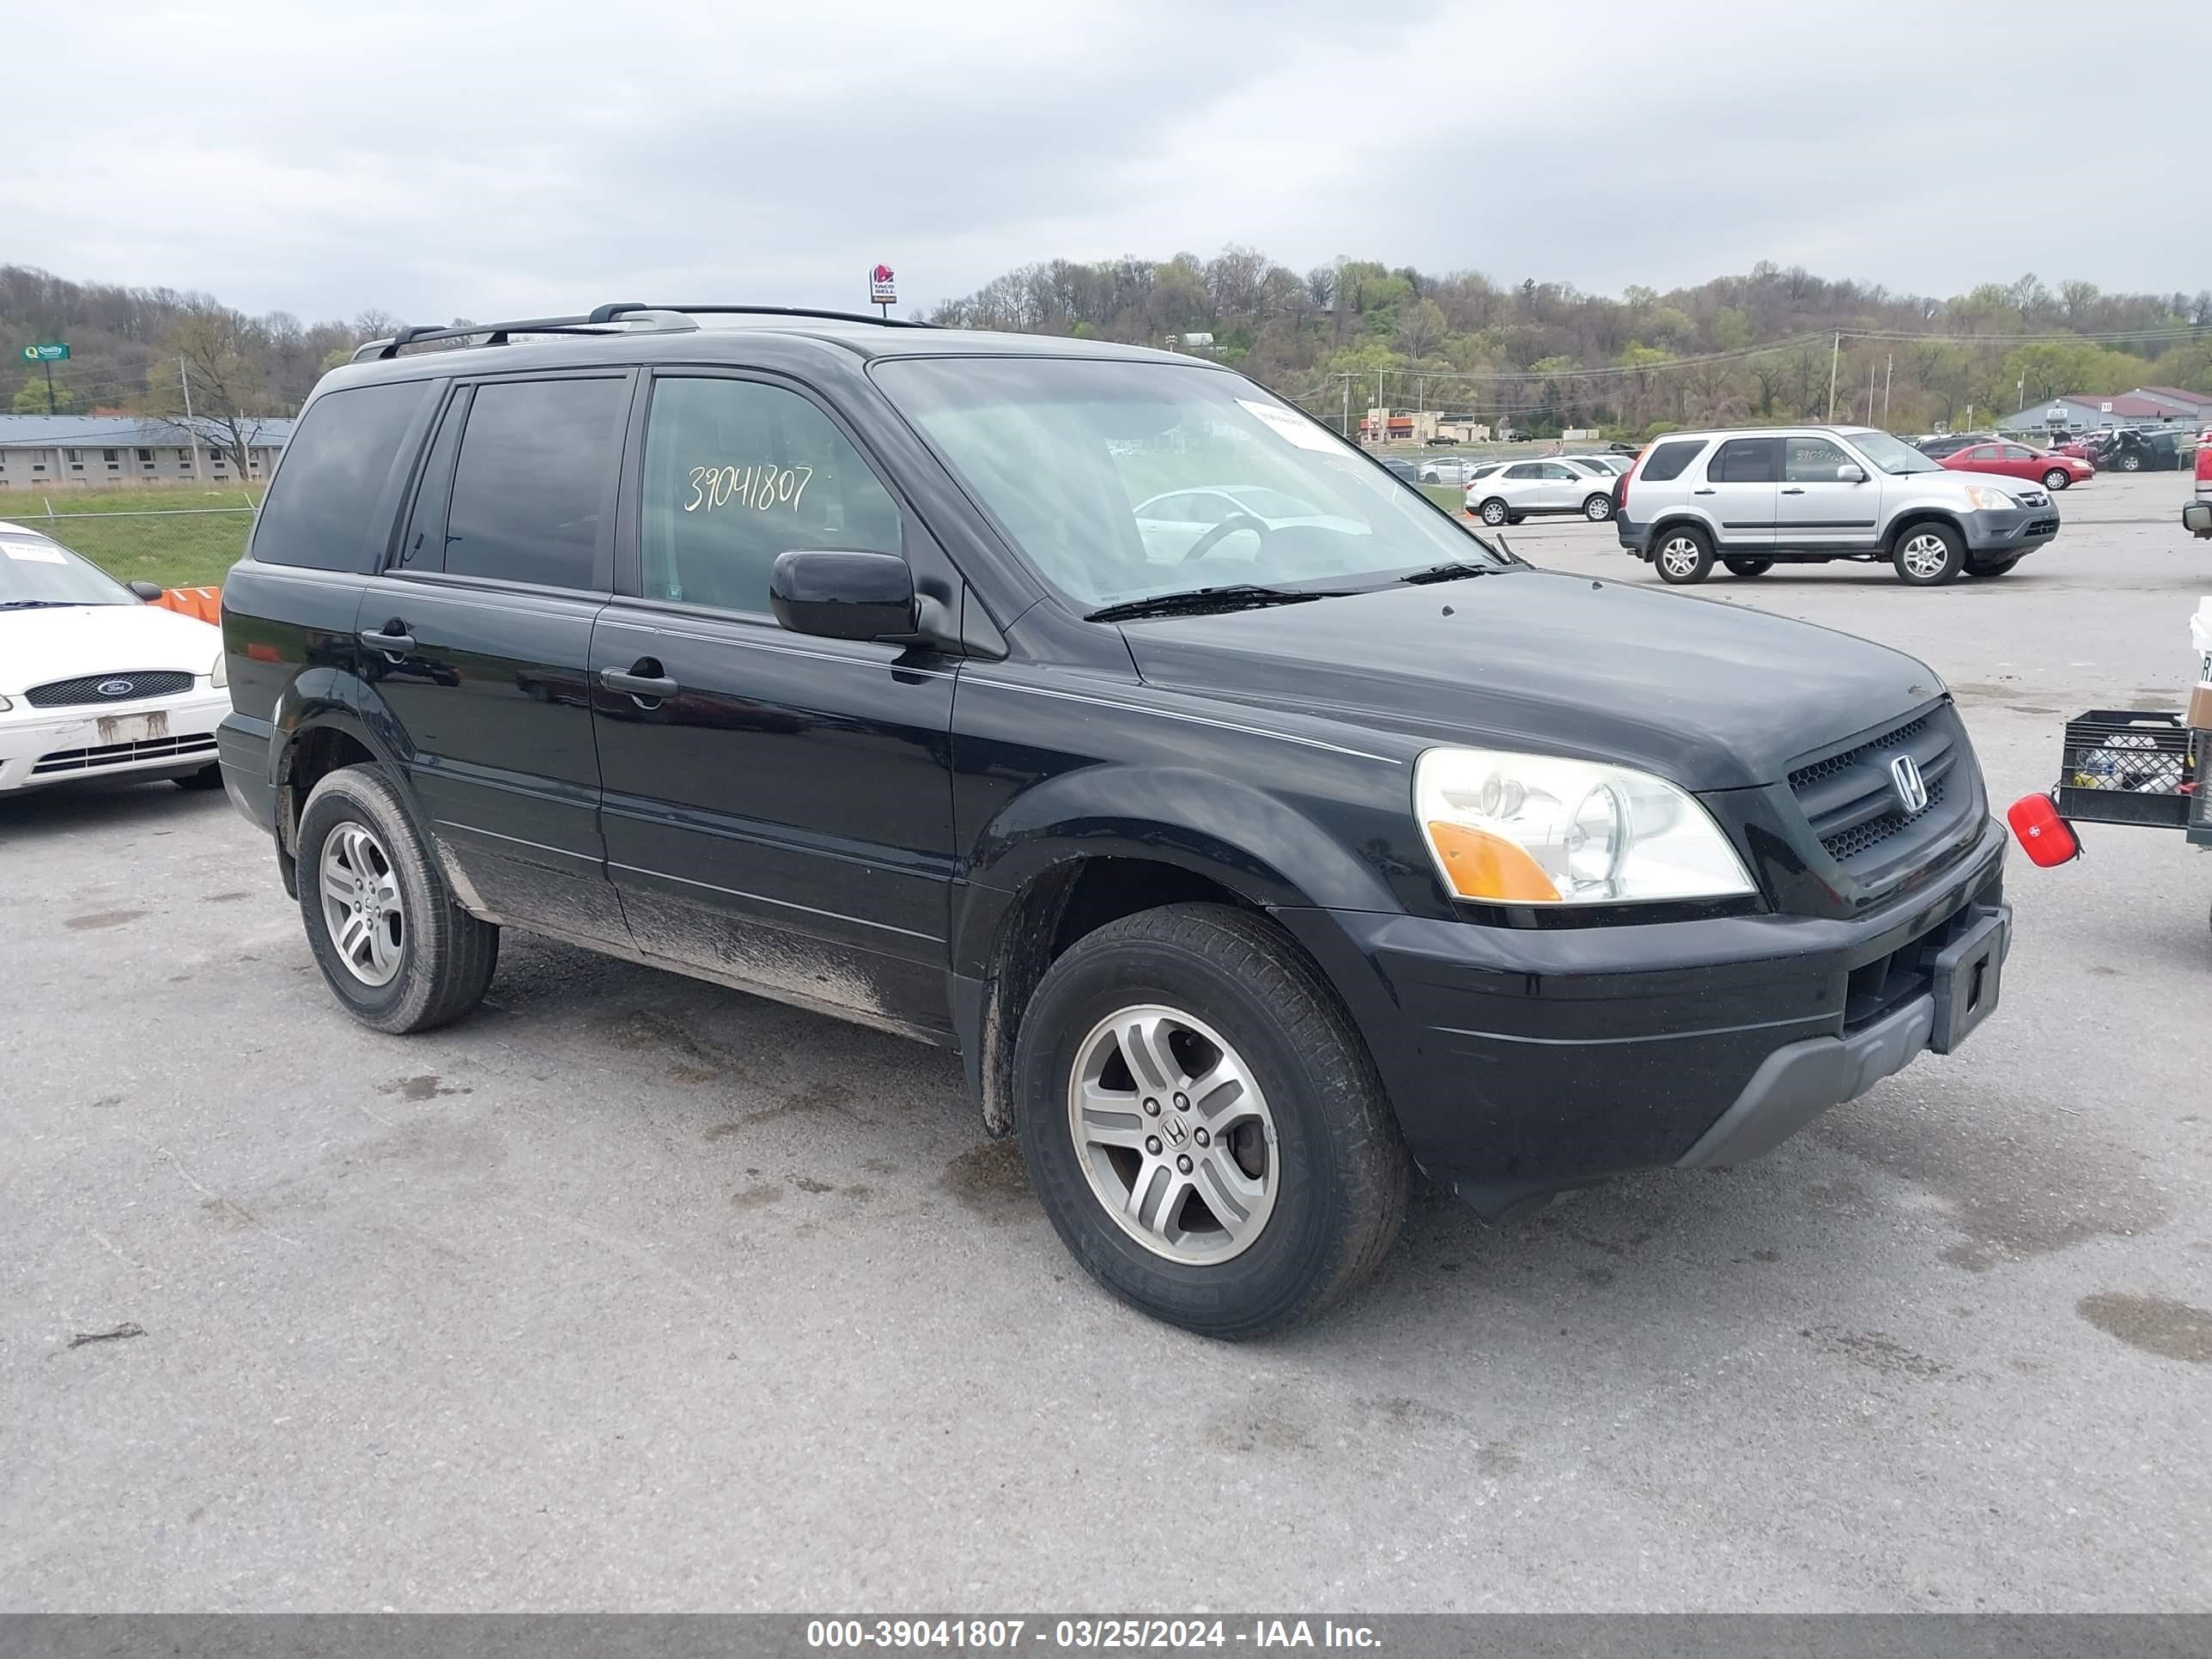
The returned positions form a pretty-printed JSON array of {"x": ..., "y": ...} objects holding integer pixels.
[
  {"x": 1705, "y": 694},
  {"x": 38, "y": 645}
]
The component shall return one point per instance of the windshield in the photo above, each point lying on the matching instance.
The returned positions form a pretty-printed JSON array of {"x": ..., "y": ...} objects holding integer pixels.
[
  {"x": 1890, "y": 455},
  {"x": 1062, "y": 452},
  {"x": 35, "y": 571}
]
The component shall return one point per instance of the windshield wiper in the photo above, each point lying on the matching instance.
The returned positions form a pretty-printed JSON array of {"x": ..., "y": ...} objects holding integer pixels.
[
  {"x": 1449, "y": 572},
  {"x": 1234, "y": 596},
  {"x": 39, "y": 605}
]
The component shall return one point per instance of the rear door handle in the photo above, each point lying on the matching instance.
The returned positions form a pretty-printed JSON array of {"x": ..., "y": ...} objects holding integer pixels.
[
  {"x": 397, "y": 640},
  {"x": 640, "y": 686}
]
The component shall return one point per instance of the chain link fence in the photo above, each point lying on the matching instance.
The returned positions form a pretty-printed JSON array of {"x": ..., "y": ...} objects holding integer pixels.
[{"x": 170, "y": 547}]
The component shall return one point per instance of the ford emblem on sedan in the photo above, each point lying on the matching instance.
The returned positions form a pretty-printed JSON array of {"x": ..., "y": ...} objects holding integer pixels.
[{"x": 115, "y": 688}]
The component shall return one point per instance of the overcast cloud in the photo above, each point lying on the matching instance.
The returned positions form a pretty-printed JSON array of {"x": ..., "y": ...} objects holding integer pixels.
[{"x": 497, "y": 159}]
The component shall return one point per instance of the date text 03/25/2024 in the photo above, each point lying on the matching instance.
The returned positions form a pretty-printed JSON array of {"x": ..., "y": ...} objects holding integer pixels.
[{"x": 1122, "y": 1634}]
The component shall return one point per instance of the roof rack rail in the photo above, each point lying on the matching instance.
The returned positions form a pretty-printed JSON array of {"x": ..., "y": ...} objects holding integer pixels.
[
  {"x": 606, "y": 313},
  {"x": 598, "y": 321}
]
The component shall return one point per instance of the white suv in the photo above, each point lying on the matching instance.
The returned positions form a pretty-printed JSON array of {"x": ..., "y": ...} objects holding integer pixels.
[
  {"x": 1751, "y": 500},
  {"x": 1527, "y": 487}
]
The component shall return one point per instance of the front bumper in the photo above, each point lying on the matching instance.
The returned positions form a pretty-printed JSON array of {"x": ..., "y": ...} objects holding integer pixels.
[
  {"x": 157, "y": 738},
  {"x": 1523, "y": 1061},
  {"x": 2021, "y": 530}
]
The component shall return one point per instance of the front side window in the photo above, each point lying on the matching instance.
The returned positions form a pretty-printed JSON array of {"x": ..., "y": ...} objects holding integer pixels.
[
  {"x": 531, "y": 485},
  {"x": 736, "y": 472},
  {"x": 1811, "y": 461},
  {"x": 1062, "y": 452},
  {"x": 1746, "y": 460}
]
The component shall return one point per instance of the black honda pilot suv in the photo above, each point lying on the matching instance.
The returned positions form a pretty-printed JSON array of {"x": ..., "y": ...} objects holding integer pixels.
[{"x": 1254, "y": 832}]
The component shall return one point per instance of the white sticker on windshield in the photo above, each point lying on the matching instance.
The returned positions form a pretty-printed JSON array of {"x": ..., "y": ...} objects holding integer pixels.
[
  {"x": 1302, "y": 433},
  {"x": 33, "y": 552}
]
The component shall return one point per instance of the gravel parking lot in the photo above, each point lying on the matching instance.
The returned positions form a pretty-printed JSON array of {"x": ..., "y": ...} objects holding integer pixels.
[{"x": 635, "y": 1292}]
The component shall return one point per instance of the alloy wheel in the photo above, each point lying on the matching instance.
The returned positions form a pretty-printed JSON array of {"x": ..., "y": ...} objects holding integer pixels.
[
  {"x": 1925, "y": 555},
  {"x": 1679, "y": 556},
  {"x": 362, "y": 907},
  {"x": 1174, "y": 1134}
]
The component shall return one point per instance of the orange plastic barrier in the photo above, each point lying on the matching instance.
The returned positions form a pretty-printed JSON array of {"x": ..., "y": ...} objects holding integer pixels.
[{"x": 205, "y": 603}]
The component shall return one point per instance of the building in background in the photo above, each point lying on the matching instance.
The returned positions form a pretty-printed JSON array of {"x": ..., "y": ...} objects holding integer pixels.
[
  {"x": 2148, "y": 405},
  {"x": 49, "y": 452}
]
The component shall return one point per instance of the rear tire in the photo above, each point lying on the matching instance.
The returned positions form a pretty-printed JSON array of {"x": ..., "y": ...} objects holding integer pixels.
[
  {"x": 1683, "y": 557},
  {"x": 1597, "y": 508},
  {"x": 1929, "y": 554},
  {"x": 411, "y": 958},
  {"x": 1238, "y": 1000},
  {"x": 1493, "y": 514},
  {"x": 2130, "y": 463},
  {"x": 1747, "y": 568},
  {"x": 2055, "y": 479}
]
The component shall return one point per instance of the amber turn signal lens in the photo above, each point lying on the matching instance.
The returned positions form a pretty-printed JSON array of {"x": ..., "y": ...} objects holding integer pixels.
[{"x": 1481, "y": 866}]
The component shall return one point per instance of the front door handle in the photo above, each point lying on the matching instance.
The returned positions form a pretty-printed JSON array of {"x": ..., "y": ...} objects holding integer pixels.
[
  {"x": 1793, "y": 490},
  {"x": 645, "y": 682},
  {"x": 392, "y": 637},
  {"x": 1701, "y": 492}
]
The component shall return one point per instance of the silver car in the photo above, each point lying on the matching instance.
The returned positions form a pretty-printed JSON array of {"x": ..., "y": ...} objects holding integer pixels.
[
  {"x": 1752, "y": 499},
  {"x": 1447, "y": 470},
  {"x": 1554, "y": 485}
]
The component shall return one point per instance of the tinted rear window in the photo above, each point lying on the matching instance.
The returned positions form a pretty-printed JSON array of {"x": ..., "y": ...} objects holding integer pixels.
[
  {"x": 1668, "y": 460},
  {"x": 531, "y": 488},
  {"x": 322, "y": 510},
  {"x": 1746, "y": 460}
]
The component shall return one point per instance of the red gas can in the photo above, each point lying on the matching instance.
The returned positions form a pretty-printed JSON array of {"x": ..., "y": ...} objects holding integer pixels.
[{"x": 2045, "y": 837}]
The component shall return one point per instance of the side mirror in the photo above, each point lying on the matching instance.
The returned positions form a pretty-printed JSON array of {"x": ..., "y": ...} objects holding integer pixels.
[
  {"x": 844, "y": 596},
  {"x": 1850, "y": 472},
  {"x": 149, "y": 591}
]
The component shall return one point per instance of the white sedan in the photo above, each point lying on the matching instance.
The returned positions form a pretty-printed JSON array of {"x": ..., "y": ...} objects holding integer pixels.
[
  {"x": 1172, "y": 524},
  {"x": 1527, "y": 487},
  {"x": 95, "y": 683}
]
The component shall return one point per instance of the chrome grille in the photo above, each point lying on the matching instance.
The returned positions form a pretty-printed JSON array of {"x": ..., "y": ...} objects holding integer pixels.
[{"x": 136, "y": 683}]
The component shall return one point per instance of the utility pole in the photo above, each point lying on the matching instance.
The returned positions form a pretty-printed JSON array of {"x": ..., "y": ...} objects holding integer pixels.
[
  {"x": 49, "y": 367},
  {"x": 185, "y": 379},
  {"x": 1835, "y": 355},
  {"x": 1346, "y": 432},
  {"x": 1869, "y": 394},
  {"x": 1885, "y": 375}
]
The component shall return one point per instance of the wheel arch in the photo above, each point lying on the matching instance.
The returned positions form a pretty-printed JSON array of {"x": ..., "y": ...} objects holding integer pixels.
[
  {"x": 1089, "y": 848},
  {"x": 1913, "y": 518},
  {"x": 1676, "y": 518}
]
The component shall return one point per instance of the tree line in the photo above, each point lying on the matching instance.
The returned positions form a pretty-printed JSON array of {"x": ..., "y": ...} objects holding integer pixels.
[{"x": 1543, "y": 355}]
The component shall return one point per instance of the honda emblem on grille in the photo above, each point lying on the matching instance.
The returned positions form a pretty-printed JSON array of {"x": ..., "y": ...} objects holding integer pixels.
[
  {"x": 115, "y": 688},
  {"x": 1911, "y": 789}
]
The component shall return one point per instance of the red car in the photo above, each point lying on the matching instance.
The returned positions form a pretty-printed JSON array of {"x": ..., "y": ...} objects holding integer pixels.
[{"x": 2046, "y": 467}]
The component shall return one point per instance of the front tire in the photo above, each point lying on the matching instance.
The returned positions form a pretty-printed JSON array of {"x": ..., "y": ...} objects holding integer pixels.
[
  {"x": 1597, "y": 508},
  {"x": 1747, "y": 568},
  {"x": 1929, "y": 554},
  {"x": 394, "y": 948},
  {"x": 2130, "y": 463},
  {"x": 1990, "y": 567},
  {"x": 1204, "y": 1126},
  {"x": 1493, "y": 513},
  {"x": 208, "y": 777},
  {"x": 1684, "y": 556},
  {"x": 2055, "y": 480}
]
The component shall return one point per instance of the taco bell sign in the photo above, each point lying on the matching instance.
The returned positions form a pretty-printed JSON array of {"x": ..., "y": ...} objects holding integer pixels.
[{"x": 883, "y": 287}]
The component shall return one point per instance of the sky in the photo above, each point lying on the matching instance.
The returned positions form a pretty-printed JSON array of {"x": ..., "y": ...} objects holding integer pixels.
[{"x": 489, "y": 159}]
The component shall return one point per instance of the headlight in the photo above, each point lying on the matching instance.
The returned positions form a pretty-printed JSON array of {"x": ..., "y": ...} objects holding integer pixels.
[
  {"x": 1986, "y": 500},
  {"x": 5, "y": 705},
  {"x": 1532, "y": 829},
  {"x": 219, "y": 676}
]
